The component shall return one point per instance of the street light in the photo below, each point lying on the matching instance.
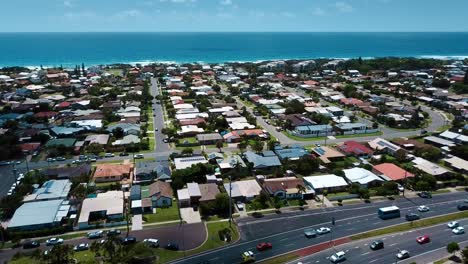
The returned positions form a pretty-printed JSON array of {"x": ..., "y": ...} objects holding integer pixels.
[{"x": 230, "y": 202}]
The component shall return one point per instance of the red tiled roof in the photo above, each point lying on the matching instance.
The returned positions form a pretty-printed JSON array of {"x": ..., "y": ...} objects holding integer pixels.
[
  {"x": 353, "y": 147},
  {"x": 29, "y": 146},
  {"x": 392, "y": 171},
  {"x": 351, "y": 101},
  {"x": 48, "y": 114},
  {"x": 63, "y": 105}
]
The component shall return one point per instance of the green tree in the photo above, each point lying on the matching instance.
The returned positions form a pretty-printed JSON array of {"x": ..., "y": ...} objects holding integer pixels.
[
  {"x": 453, "y": 248},
  {"x": 257, "y": 146},
  {"x": 219, "y": 145},
  {"x": 60, "y": 254},
  {"x": 400, "y": 155},
  {"x": 465, "y": 255},
  {"x": 222, "y": 204},
  {"x": 187, "y": 151}
]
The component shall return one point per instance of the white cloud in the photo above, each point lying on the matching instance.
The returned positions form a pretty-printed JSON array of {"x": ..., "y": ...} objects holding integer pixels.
[
  {"x": 226, "y": 2},
  {"x": 344, "y": 7},
  {"x": 127, "y": 14},
  {"x": 318, "y": 11}
]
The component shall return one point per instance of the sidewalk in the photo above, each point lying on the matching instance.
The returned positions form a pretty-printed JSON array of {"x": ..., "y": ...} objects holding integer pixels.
[{"x": 434, "y": 255}]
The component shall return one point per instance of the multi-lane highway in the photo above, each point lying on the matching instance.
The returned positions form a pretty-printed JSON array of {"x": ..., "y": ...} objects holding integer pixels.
[{"x": 285, "y": 231}]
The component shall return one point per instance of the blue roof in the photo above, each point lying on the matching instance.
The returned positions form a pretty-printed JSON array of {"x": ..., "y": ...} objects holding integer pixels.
[
  {"x": 291, "y": 153},
  {"x": 11, "y": 116},
  {"x": 38, "y": 213},
  {"x": 261, "y": 161}
]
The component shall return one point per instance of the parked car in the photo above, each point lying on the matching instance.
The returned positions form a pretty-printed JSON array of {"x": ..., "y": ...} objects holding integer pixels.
[
  {"x": 403, "y": 254},
  {"x": 95, "y": 234},
  {"x": 3, "y": 163},
  {"x": 60, "y": 159},
  {"x": 323, "y": 230},
  {"x": 156, "y": 129},
  {"x": 50, "y": 160},
  {"x": 240, "y": 206},
  {"x": 172, "y": 246},
  {"x": 423, "y": 239},
  {"x": 310, "y": 232},
  {"x": 113, "y": 232},
  {"x": 165, "y": 140},
  {"x": 458, "y": 230},
  {"x": 264, "y": 246},
  {"x": 138, "y": 156},
  {"x": 401, "y": 188},
  {"x": 109, "y": 155},
  {"x": 152, "y": 242},
  {"x": 54, "y": 241},
  {"x": 81, "y": 247},
  {"x": 423, "y": 208},
  {"x": 462, "y": 207},
  {"x": 426, "y": 195},
  {"x": 377, "y": 244},
  {"x": 453, "y": 224},
  {"x": 128, "y": 240},
  {"x": 412, "y": 217},
  {"x": 123, "y": 154},
  {"x": 31, "y": 244},
  {"x": 338, "y": 257}
]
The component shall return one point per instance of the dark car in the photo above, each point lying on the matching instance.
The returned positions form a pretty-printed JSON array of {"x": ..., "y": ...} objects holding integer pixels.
[
  {"x": 377, "y": 244},
  {"x": 123, "y": 154},
  {"x": 172, "y": 246},
  {"x": 31, "y": 244},
  {"x": 462, "y": 207},
  {"x": 113, "y": 232},
  {"x": 128, "y": 240},
  {"x": 412, "y": 217},
  {"x": 426, "y": 195}
]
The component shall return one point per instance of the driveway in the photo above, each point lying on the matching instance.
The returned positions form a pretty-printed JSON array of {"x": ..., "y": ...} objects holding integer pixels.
[
  {"x": 190, "y": 216},
  {"x": 137, "y": 222}
]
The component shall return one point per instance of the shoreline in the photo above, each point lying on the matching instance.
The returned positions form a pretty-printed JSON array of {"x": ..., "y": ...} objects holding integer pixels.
[{"x": 173, "y": 62}]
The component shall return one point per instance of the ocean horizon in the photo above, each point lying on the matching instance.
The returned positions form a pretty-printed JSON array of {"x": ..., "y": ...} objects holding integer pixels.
[{"x": 97, "y": 48}]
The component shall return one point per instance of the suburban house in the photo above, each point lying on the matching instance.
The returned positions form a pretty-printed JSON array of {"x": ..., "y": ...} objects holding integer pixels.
[
  {"x": 128, "y": 128},
  {"x": 163, "y": 172},
  {"x": 65, "y": 172},
  {"x": 351, "y": 128},
  {"x": 363, "y": 177},
  {"x": 245, "y": 190},
  {"x": 438, "y": 141},
  {"x": 380, "y": 144},
  {"x": 313, "y": 131},
  {"x": 354, "y": 148},
  {"x": 145, "y": 171},
  {"x": 429, "y": 167},
  {"x": 209, "y": 139},
  {"x": 161, "y": 195},
  {"x": 127, "y": 140},
  {"x": 454, "y": 137},
  {"x": 296, "y": 120},
  {"x": 266, "y": 160},
  {"x": 208, "y": 192},
  {"x": 50, "y": 190},
  {"x": 106, "y": 209},
  {"x": 187, "y": 162},
  {"x": 292, "y": 153},
  {"x": 285, "y": 188},
  {"x": 100, "y": 139},
  {"x": 457, "y": 164},
  {"x": 112, "y": 172},
  {"x": 189, "y": 196},
  {"x": 330, "y": 183},
  {"x": 327, "y": 154},
  {"x": 39, "y": 215},
  {"x": 391, "y": 172}
]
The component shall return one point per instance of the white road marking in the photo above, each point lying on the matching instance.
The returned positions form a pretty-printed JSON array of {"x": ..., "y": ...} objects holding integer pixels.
[
  {"x": 373, "y": 260},
  {"x": 365, "y": 253},
  {"x": 392, "y": 244}
]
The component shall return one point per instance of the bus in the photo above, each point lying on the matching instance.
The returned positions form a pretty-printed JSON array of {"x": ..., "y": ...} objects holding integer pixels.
[{"x": 389, "y": 212}]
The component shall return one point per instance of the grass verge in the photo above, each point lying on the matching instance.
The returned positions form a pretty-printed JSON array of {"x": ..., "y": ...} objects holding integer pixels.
[
  {"x": 281, "y": 259},
  {"x": 163, "y": 214},
  {"x": 411, "y": 225}
]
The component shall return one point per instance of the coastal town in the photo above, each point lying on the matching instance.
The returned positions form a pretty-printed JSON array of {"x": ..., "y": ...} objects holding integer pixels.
[{"x": 282, "y": 161}]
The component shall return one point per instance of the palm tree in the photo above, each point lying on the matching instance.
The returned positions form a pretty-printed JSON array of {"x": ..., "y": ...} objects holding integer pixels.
[{"x": 219, "y": 145}]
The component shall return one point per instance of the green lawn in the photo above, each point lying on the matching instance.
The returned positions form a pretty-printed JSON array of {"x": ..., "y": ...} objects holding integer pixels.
[
  {"x": 190, "y": 140},
  {"x": 150, "y": 127},
  {"x": 163, "y": 214},
  {"x": 331, "y": 195},
  {"x": 441, "y": 191},
  {"x": 282, "y": 259},
  {"x": 323, "y": 138}
]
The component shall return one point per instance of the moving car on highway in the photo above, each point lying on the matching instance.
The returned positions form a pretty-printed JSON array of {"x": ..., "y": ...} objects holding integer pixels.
[
  {"x": 54, "y": 241},
  {"x": 453, "y": 224},
  {"x": 377, "y": 244},
  {"x": 338, "y": 257},
  {"x": 462, "y": 207},
  {"x": 95, "y": 234},
  {"x": 264, "y": 246},
  {"x": 81, "y": 247},
  {"x": 423, "y": 208},
  {"x": 423, "y": 239},
  {"x": 458, "y": 230},
  {"x": 31, "y": 244},
  {"x": 323, "y": 230},
  {"x": 412, "y": 217},
  {"x": 403, "y": 254},
  {"x": 310, "y": 232},
  {"x": 248, "y": 257}
]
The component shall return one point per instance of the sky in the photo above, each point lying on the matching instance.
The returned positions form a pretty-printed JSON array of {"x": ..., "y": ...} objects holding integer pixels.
[{"x": 233, "y": 15}]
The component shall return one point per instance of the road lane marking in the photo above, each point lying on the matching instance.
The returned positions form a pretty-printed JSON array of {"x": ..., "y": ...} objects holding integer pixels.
[
  {"x": 373, "y": 260},
  {"x": 365, "y": 253},
  {"x": 392, "y": 244}
]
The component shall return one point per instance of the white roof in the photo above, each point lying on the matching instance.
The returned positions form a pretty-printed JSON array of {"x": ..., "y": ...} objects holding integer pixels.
[
  {"x": 440, "y": 141},
  {"x": 96, "y": 123},
  {"x": 428, "y": 167},
  {"x": 183, "y": 163},
  {"x": 457, "y": 163},
  {"x": 193, "y": 189},
  {"x": 325, "y": 181},
  {"x": 361, "y": 176},
  {"x": 248, "y": 188},
  {"x": 112, "y": 202},
  {"x": 183, "y": 194}
]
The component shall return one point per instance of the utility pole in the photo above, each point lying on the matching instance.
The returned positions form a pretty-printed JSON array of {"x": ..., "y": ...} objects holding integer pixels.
[
  {"x": 27, "y": 164},
  {"x": 404, "y": 183},
  {"x": 230, "y": 200}
]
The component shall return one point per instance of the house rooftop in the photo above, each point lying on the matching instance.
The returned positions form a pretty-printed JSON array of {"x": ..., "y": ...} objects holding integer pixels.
[{"x": 38, "y": 213}]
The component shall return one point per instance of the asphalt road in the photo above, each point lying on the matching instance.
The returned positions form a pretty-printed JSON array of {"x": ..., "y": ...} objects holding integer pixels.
[
  {"x": 161, "y": 147},
  {"x": 359, "y": 251},
  {"x": 285, "y": 231},
  {"x": 187, "y": 236}
]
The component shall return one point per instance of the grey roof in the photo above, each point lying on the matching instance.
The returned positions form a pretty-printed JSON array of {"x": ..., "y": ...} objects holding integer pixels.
[
  {"x": 39, "y": 213},
  {"x": 148, "y": 167},
  {"x": 52, "y": 189},
  {"x": 210, "y": 136},
  {"x": 261, "y": 161}
]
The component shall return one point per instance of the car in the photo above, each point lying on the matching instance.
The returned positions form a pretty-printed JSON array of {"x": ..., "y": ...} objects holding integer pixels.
[
  {"x": 323, "y": 230},
  {"x": 458, "y": 230},
  {"x": 423, "y": 208},
  {"x": 81, "y": 247},
  {"x": 310, "y": 232},
  {"x": 17, "y": 162},
  {"x": 401, "y": 188},
  {"x": 412, "y": 217},
  {"x": 109, "y": 155},
  {"x": 60, "y": 159},
  {"x": 338, "y": 257},
  {"x": 377, "y": 244},
  {"x": 92, "y": 159},
  {"x": 172, "y": 246},
  {"x": 102, "y": 241},
  {"x": 165, "y": 140},
  {"x": 156, "y": 129},
  {"x": 123, "y": 154},
  {"x": 31, "y": 244},
  {"x": 462, "y": 207},
  {"x": 138, "y": 156},
  {"x": 240, "y": 206},
  {"x": 453, "y": 224},
  {"x": 128, "y": 240},
  {"x": 403, "y": 254},
  {"x": 152, "y": 242},
  {"x": 35, "y": 153},
  {"x": 264, "y": 246},
  {"x": 3, "y": 163},
  {"x": 50, "y": 160},
  {"x": 95, "y": 234},
  {"x": 465, "y": 201},
  {"x": 54, "y": 241},
  {"x": 248, "y": 256},
  {"x": 423, "y": 239},
  {"x": 426, "y": 195},
  {"x": 113, "y": 232}
]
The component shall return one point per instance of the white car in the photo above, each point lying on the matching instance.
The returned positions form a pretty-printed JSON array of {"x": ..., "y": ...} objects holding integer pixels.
[
  {"x": 338, "y": 257},
  {"x": 323, "y": 230},
  {"x": 403, "y": 254},
  {"x": 81, "y": 247},
  {"x": 423, "y": 208},
  {"x": 401, "y": 188},
  {"x": 109, "y": 155},
  {"x": 138, "y": 156},
  {"x": 54, "y": 241},
  {"x": 458, "y": 230},
  {"x": 152, "y": 242},
  {"x": 453, "y": 224}
]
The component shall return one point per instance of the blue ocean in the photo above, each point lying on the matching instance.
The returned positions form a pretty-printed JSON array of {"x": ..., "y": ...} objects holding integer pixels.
[{"x": 67, "y": 49}]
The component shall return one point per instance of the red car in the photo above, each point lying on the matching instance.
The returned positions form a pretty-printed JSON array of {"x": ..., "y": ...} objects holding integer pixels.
[
  {"x": 263, "y": 246},
  {"x": 423, "y": 239}
]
